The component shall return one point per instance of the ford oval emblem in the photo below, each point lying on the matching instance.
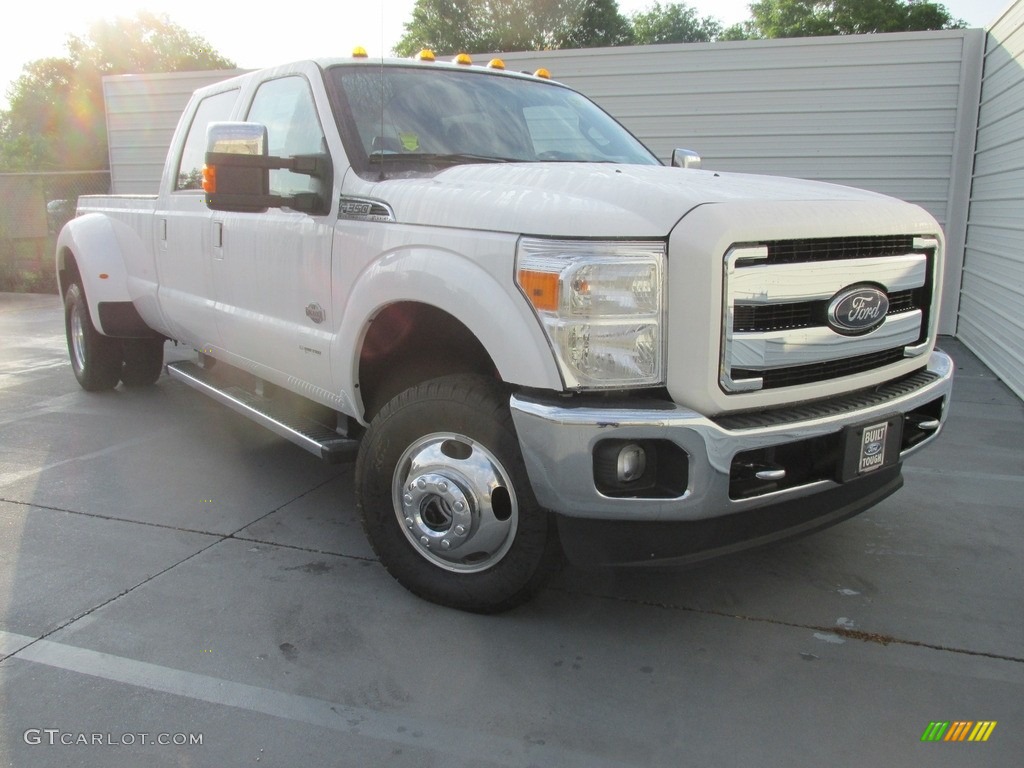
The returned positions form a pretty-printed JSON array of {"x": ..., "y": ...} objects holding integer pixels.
[
  {"x": 315, "y": 313},
  {"x": 857, "y": 310}
]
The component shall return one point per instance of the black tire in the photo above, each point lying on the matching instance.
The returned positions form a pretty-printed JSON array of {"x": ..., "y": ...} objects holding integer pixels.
[
  {"x": 95, "y": 358},
  {"x": 441, "y": 461},
  {"x": 143, "y": 362}
]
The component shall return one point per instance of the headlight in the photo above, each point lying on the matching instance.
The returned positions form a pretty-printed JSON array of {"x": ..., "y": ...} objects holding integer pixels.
[{"x": 601, "y": 305}]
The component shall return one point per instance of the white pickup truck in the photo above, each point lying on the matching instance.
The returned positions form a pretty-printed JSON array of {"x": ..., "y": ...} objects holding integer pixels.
[{"x": 535, "y": 339}]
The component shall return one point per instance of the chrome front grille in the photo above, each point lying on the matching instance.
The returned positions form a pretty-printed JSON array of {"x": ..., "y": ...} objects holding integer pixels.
[{"x": 776, "y": 330}]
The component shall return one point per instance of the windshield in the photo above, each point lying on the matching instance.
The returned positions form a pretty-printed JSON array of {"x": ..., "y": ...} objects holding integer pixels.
[{"x": 427, "y": 118}]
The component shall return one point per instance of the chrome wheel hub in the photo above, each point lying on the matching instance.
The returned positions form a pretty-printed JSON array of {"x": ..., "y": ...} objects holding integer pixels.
[{"x": 455, "y": 502}]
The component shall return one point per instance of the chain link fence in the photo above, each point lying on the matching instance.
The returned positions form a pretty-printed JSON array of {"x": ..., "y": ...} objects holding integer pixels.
[{"x": 33, "y": 208}]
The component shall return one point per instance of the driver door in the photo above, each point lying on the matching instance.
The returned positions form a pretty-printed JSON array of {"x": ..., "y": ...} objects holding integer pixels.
[{"x": 272, "y": 272}]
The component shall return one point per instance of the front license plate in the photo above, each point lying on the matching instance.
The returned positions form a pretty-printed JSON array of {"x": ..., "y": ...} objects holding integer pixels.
[{"x": 872, "y": 446}]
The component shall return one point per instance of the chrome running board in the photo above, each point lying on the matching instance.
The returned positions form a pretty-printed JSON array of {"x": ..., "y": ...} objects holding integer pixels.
[{"x": 301, "y": 430}]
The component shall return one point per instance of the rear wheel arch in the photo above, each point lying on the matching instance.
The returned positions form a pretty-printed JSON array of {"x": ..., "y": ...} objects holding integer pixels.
[{"x": 67, "y": 270}]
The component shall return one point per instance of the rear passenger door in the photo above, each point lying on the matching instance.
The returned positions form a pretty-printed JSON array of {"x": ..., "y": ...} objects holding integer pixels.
[{"x": 184, "y": 232}]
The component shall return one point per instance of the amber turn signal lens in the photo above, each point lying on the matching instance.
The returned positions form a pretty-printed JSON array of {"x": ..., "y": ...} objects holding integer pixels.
[
  {"x": 209, "y": 179},
  {"x": 541, "y": 289}
]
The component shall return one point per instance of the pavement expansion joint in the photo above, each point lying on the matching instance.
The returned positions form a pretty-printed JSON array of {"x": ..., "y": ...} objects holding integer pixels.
[
  {"x": 218, "y": 539},
  {"x": 851, "y": 634},
  {"x": 297, "y": 548}
]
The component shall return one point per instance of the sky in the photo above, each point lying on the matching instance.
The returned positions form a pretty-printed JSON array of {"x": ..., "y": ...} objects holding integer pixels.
[{"x": 35, "y": 30}]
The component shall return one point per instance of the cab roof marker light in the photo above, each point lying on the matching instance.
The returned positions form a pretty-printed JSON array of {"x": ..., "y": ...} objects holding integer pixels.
[
  {"x": 542, "y": 73},
  {"x": 496, "y": 64},
  {"x": 359, "y": 53},
  {"x": 464, "y": 59},
  {"x": 425, "y": 55}
]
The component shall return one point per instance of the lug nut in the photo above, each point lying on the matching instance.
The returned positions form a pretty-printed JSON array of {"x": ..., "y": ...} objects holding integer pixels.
[
  {"x": 445, "y": 544},
  {"x": 458, "y": 506},
  {"x": 460, "y": 530},
  {"x": 409, "y": 522},
  {"x": 421, "y": 484},
  {"x": 424, "y": 541},
  {"x": 443, "y": 486},
  {"x": 408, "y": 499}
]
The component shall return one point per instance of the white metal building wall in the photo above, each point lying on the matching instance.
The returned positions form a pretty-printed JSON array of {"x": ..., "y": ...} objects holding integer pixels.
[
  {"x": 892, "y": 113},
  {"x": 142, "y": 113},
  {"x": 992, "y": 298}
]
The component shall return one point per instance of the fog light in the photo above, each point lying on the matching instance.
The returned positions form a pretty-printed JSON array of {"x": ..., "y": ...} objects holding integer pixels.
[
  {"x": 631, "y": 464},
  {"x": 640, "y": 469}
]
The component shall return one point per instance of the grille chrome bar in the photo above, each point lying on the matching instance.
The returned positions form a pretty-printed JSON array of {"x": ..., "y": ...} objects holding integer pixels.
[
  {"x": 803, "y": 346},
  {"x": 795, "y": 282}
]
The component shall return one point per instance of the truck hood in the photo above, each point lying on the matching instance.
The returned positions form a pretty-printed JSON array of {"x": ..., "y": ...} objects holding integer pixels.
[{"x": 582, "y": 199}]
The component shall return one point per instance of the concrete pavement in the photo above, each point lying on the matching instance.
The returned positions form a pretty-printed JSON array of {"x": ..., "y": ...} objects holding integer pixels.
[{"x": 172, "y": 572}]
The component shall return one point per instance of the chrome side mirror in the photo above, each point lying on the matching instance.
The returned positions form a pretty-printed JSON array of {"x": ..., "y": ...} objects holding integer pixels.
[
  {"x": 685, "y": 158},
  {"x": 236, "y": 176}
]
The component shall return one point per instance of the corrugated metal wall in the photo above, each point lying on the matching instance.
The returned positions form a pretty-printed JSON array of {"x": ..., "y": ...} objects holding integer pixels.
[
  {"x": 992, "y": 299},
  {"x": 142, "y": 113},
  {"x": 892, "y": 113}
]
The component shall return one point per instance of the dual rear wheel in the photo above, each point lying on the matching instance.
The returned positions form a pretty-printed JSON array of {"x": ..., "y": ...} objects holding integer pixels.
[{"x": 99, "y": 362}]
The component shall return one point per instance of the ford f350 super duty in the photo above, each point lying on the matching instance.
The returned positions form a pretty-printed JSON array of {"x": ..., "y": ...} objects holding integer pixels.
[{"x": 533, "y": 337}]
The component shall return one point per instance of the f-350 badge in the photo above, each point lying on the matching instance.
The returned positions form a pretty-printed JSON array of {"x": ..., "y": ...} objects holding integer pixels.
[{"x": 315, "y": 313}]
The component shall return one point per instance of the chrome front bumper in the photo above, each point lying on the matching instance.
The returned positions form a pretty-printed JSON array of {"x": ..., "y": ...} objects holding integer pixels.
[{"x": 558, "y": 441}]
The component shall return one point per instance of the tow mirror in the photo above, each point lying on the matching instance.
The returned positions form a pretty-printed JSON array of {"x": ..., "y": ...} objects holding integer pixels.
[
  {"x": 685, "y": 158},
  {"x": 236, "y": 176}
]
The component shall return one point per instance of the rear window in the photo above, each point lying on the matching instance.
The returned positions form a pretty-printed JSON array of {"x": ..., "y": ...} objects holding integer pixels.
[{"x": 212, "y": 109}]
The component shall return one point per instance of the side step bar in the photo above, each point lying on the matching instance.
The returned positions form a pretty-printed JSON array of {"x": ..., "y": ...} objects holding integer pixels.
[{"x": 304, "y": 432}]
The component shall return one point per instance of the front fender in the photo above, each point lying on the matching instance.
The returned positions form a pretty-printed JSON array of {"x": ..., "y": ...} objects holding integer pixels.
[
  {"x": 101, "y": 248},
  {"x": 495, "y": 312}
]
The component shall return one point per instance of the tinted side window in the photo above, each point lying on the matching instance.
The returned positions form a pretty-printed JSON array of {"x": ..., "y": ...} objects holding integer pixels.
[
  {"x": 286, "y": 108},
  {"x": 211, "y": 109}
]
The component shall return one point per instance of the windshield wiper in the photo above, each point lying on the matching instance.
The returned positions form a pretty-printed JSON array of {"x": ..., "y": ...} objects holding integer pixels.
[{"x": 454, "y": 158}]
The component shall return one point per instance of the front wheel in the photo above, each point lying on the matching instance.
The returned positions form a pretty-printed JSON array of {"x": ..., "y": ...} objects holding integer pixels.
[{"x": 445, "y": 501}]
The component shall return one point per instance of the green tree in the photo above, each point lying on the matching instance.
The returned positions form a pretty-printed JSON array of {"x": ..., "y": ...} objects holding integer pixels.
[
  {"x": 743, "y": 31},
  {"x": 482, "y": 26},
  {"x": 56, "y": 118},
  {"x": 673, "y": 23},
  {"x": 807, "y": 18}
]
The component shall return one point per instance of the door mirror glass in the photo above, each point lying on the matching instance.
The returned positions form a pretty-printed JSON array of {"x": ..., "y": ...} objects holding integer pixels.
[{"x": 237, "y": 138}]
